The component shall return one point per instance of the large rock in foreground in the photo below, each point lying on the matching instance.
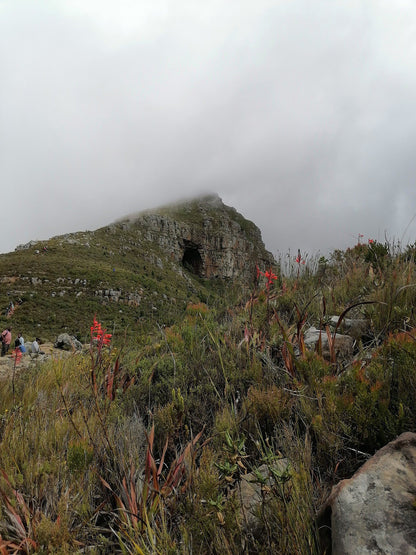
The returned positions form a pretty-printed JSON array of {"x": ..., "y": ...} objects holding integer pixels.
[{"x": 375, "y": 510}]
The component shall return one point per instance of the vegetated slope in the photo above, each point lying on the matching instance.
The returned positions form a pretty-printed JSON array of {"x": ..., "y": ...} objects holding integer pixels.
[
  {"x": 132, "y": 273},
  {"x": 223, "y": 434}
]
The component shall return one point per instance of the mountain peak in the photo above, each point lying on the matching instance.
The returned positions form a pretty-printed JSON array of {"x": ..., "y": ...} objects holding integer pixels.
[{"x": 209, "y": 238}]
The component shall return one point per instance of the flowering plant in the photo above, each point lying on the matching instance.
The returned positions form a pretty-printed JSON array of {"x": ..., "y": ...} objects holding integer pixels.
[
  {"x": 98, "y": 334},
  {"x": 299, "y": 259},
  {"x": 268, "y": 274}
]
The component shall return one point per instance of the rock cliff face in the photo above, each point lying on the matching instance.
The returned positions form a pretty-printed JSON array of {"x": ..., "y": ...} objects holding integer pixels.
[{"x": 207, "y": 237}]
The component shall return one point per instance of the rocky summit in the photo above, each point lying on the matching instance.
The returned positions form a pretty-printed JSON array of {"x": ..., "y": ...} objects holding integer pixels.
[{"x": 206, "y": 237}]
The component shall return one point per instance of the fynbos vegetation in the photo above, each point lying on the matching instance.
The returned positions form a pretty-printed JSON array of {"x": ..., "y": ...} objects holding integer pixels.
[{"x": 220, "y": 427}]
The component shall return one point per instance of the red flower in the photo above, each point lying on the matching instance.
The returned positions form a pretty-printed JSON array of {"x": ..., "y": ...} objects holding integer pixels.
[
  {"x": 370, "y": 241},
  {"x": 98, "y": 334},
  {"x": 299, "y": 258},
  {"x": 17, "y": 354},
  {"x": 268, "y": 274}
]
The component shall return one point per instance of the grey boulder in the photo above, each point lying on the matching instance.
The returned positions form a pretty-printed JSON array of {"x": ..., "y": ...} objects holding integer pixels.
[
  {"x": 375, "y": 510},
  {"x": 67, "y": 343}
]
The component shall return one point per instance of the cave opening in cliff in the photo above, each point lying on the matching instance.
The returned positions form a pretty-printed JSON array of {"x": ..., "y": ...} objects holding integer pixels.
[{"x": 192, "y": 260}]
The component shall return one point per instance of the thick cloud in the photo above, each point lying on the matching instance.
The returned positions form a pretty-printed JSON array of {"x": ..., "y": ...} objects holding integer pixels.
[{"x": 301, "y": 115}]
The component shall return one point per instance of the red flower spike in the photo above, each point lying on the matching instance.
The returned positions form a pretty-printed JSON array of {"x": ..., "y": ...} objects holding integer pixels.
[
  {"x": 98, "y": 334},
  {"x": 270, "y": 276},
  {"x": 17, "y": 354}
]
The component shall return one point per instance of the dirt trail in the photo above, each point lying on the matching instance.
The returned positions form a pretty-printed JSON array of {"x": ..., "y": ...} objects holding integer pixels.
[{"x": 7, "y": 362}]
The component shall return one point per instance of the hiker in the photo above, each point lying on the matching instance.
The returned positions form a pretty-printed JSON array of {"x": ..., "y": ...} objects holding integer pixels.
[
  {"x": 35, "y": 347},
  {"x": 20, "y": 343},
  {"x": 6, "y": 339},
  {"x": 10, "y": 309}
]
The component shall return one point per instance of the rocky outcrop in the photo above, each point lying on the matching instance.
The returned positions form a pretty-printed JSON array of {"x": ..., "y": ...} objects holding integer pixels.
[
  {"x": 67, "y": 343},
  {"x": 253, "y": 490},
  {"x": 26, "y": 246},
  {"x": 375, "y": 510},
  {"x": 344, "y": 334},
  {"x": 343, "y": 344},
  {"x": 118, "y": 296},
  {"x": 208, "y": 238},
  {"x": 357, "y": 328}
]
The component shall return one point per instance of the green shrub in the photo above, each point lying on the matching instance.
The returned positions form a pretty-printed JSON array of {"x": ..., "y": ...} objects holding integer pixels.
[
  {"x": 267, "y": 407},
  {"x": 79, "y": 456}
]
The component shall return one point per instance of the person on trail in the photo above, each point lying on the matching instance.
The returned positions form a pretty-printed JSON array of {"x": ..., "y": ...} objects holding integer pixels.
[
  {"x": 6, "y": 339},
  {"x": 35, "y": 347},
  {"x": 20, "y": 343}
]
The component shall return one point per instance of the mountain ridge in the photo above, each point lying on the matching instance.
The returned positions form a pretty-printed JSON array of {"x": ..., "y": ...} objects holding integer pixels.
[{"x": 151, "y": 263}]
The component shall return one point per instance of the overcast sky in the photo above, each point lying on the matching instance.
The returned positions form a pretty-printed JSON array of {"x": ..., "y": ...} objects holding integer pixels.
[{"x": 300, "y": 114}]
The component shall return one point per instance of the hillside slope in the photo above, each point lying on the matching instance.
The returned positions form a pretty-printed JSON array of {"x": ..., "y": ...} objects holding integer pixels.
[
  {"x": 221, "y": 432},
  {"x": 139, "y": 270}
]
